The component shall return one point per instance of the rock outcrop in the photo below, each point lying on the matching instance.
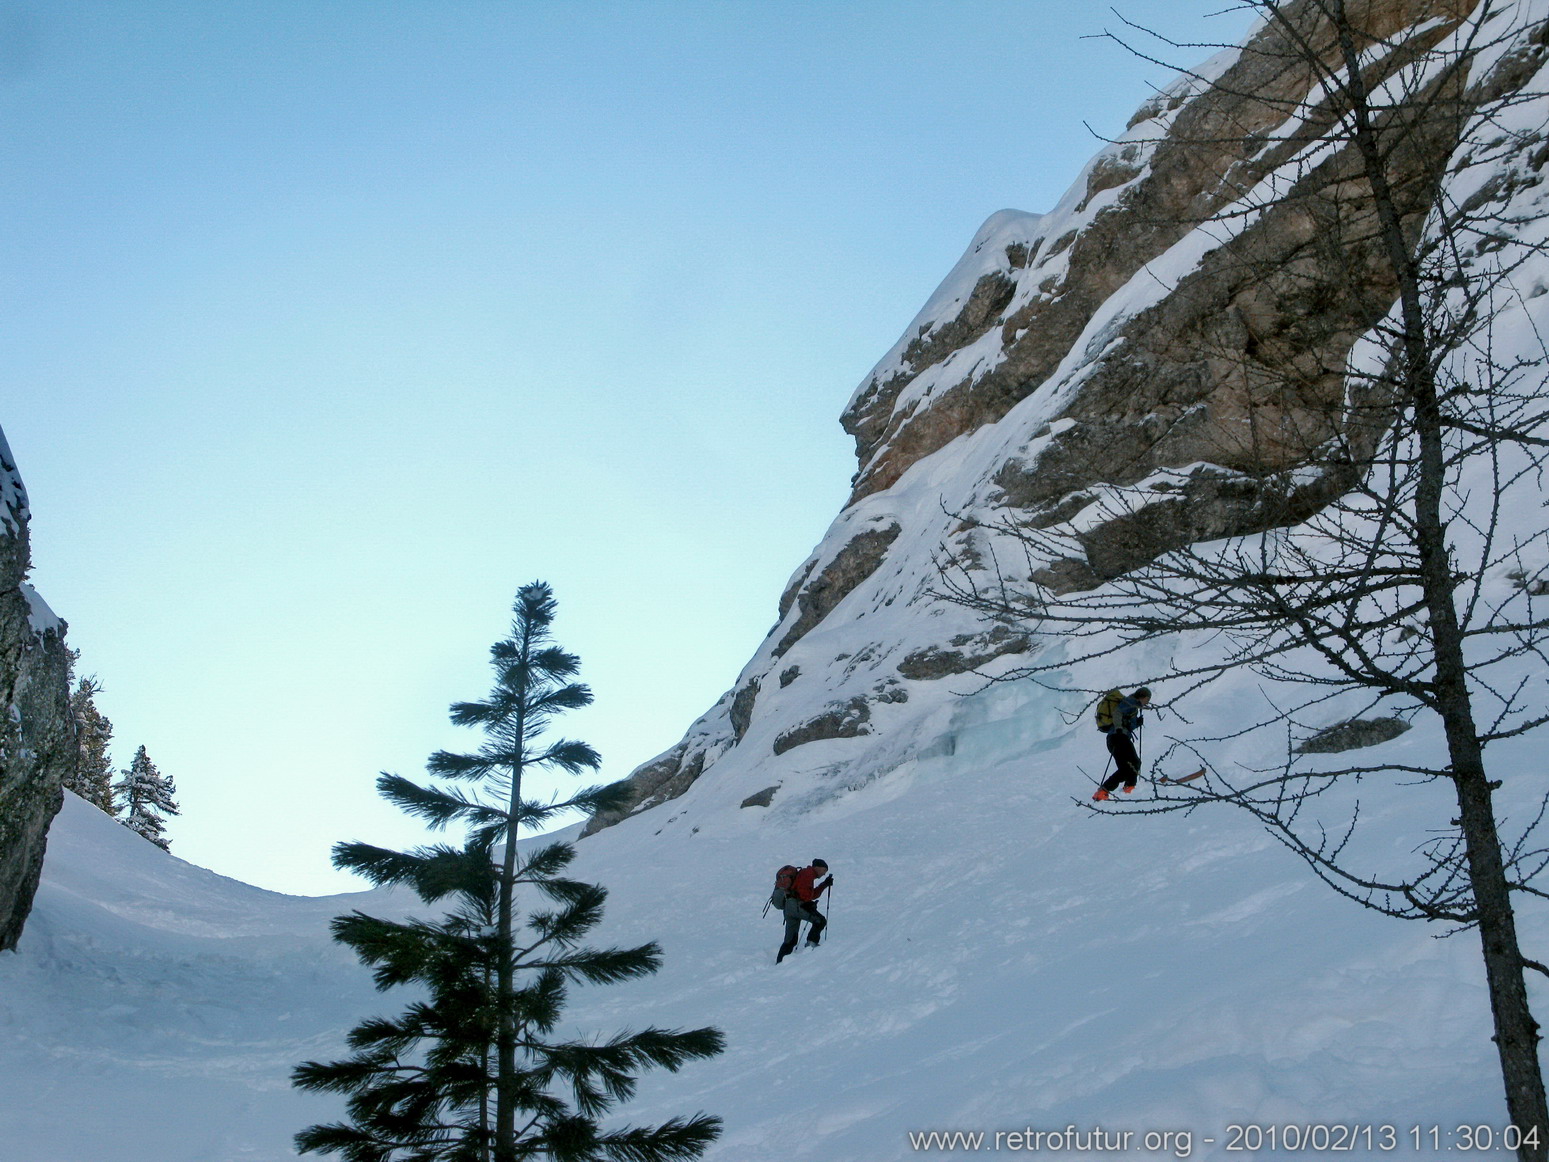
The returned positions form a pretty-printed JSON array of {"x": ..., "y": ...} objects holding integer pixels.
[
  {"x": 1158, "y": 361},
  {"x": 1352, "y": 735},
  {"x": 37, "y": 735},
  {"x": 1229, "y": 362}
]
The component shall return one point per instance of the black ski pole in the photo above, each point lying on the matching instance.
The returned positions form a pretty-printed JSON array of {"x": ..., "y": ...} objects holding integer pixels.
[{"x": 1103, "y": 778}]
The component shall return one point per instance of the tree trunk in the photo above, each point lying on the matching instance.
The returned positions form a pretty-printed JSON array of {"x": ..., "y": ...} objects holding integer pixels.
[
  {"x": 505, "y": 1039},
  {"x": 1516, "y": 1033}
]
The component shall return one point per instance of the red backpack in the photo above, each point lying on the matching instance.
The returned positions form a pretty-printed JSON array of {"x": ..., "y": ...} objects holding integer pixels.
[{"x": 784, "y": 879}]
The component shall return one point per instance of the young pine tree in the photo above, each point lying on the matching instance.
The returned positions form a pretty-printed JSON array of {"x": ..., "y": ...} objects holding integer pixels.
[
  {"x": 146, "y": 795},
  {"x": 92, "y": 779},
  {"x": 472, "y": 1070}
]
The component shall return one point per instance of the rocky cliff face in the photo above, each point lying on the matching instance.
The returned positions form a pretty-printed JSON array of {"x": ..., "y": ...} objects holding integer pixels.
[
  {"x": 1167, "y": 332},
  {"x": 37, "y": 736}
]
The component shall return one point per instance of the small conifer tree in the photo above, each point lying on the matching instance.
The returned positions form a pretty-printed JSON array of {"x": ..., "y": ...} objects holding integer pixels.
[
  {"x": 147, "y": 796},
  {"x": 473, "y": 1071},
  {"x": 92, "y": 778}
]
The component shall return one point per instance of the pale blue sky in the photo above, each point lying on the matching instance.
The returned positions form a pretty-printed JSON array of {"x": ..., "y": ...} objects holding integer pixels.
[{"x": 329, "y": 323}]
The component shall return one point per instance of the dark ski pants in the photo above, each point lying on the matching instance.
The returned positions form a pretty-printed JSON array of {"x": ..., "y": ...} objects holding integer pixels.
[
  {"x": 795, "y": 912},
  {"x": 1122, "y": 748}
]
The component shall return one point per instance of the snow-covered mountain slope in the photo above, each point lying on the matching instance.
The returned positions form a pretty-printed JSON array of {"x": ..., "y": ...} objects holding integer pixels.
[
  {"x": 999, "y": 958},
  {"x": 1079, "y": 365},
  {"x": 1002, "y": 955},
  {"x": 154, "y": 1008}
]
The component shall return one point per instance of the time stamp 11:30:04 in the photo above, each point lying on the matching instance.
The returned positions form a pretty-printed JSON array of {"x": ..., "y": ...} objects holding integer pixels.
[{"x": 1293, "y": 1137}]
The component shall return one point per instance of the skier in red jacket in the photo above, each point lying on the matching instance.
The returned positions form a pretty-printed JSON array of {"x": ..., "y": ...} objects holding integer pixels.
[{"x": 801, "y": 903}]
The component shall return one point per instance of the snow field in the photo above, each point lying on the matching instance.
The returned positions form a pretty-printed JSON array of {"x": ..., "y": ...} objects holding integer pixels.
[{"x": 1000, "y": 957}]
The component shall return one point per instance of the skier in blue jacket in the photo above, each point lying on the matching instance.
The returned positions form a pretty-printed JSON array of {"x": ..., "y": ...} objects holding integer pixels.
[{"x": 1127, "y": 719}]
